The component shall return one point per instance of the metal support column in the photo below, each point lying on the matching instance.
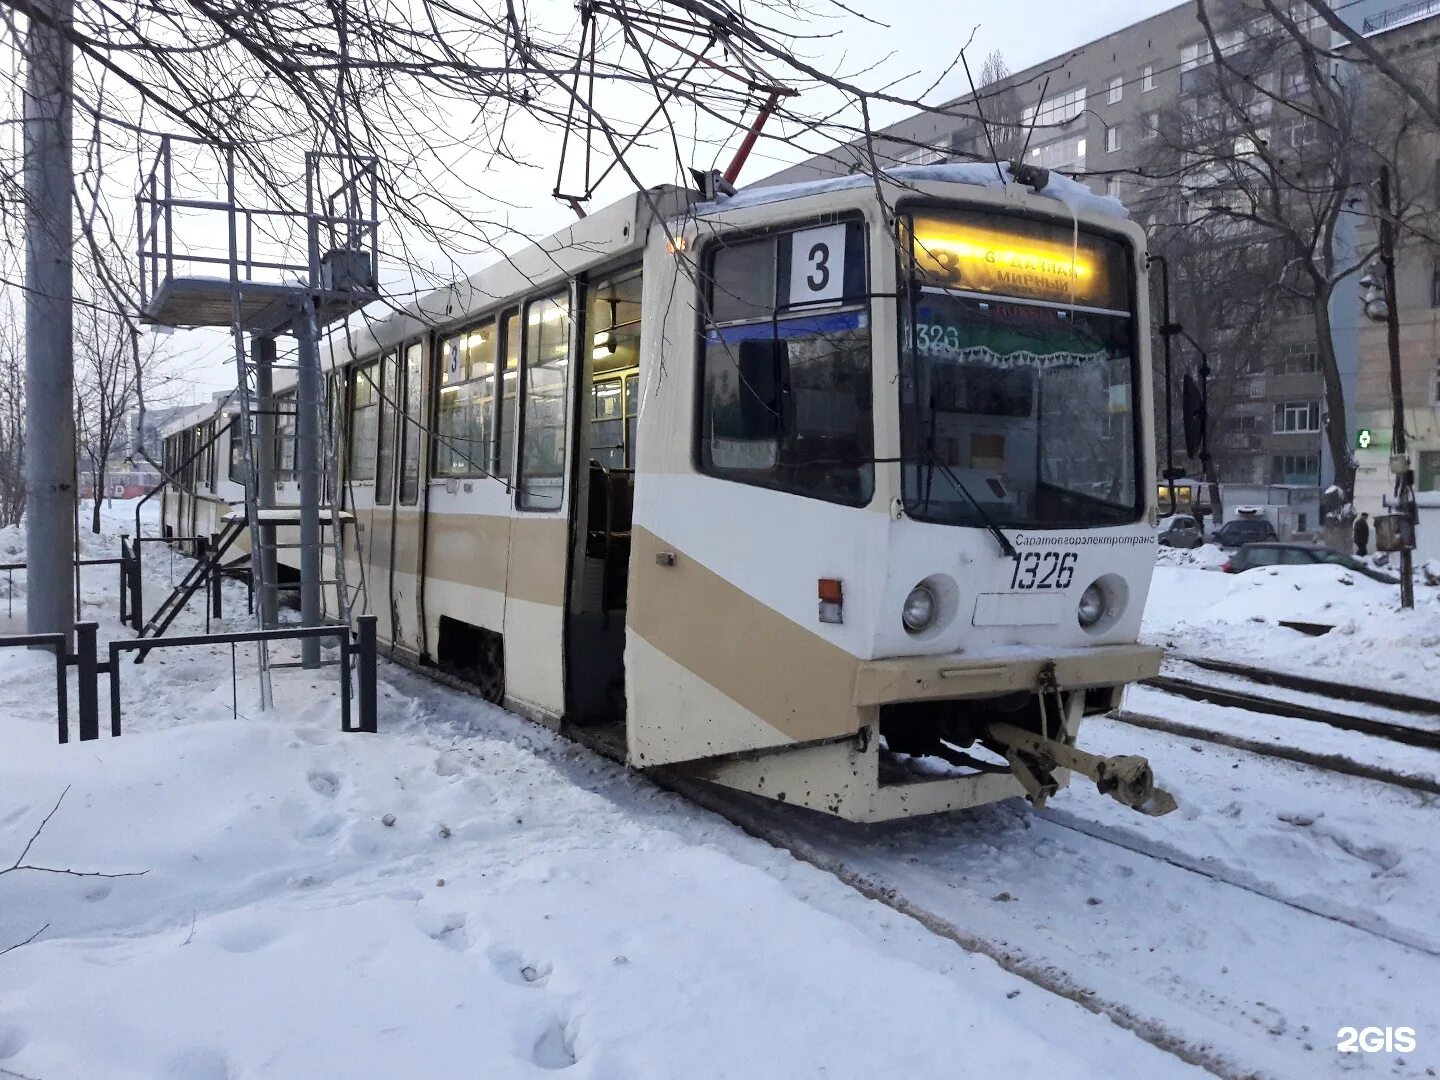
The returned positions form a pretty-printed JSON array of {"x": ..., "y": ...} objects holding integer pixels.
[
  {"x": 262, "y": 357},
  {"x": 309, "y": 393},
  {"x": 49, "y": 342}
]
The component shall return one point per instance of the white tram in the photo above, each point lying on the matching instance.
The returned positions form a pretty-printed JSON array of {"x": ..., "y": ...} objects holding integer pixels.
[{"x": 840, "y": 493}]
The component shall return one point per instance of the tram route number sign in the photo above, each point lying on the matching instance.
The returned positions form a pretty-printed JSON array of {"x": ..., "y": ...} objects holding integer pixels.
[{"x": 817, "y": 265}]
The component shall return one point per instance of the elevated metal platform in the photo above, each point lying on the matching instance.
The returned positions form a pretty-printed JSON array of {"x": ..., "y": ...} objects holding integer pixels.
[{"x": 265, "y": 308}]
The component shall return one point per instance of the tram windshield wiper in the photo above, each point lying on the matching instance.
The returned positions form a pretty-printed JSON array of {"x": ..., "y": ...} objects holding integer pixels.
[{"x": 931, "y": 461}]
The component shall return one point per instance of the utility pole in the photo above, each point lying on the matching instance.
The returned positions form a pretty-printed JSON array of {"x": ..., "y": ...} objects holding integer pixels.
[
  {"x": 1404, "y": 476},
  {"x": 309, "y": 395},
  {"x": 49, "y": 332}
]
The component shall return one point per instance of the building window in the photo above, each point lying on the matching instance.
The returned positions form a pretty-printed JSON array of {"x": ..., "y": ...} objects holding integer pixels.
[
  {"x": 1427, "y": 476},
  {"x": 785, "y": 389},
  {"x": 1112, "y": 187},
  {"x": 1058, "y": 154},
  {"x": 1292, "y": 417},
  {"x": 1151, "y": 123},
  {"x": 1297, "y": 358},
  {"x": 1147, "y": 78},
  {"x": 1114, "y": 89},
  {"x": 1435, "y": 385},
  {"x": 1057, "y": 109},
  {"x": 1295, "y": 469},
  {"x": 1112, "y": 138},
  {"x": 1435, "y": 284}
]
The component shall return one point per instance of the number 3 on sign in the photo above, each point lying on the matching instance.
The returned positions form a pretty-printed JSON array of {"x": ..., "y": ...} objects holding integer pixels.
[{"x": 817, "y": 264}]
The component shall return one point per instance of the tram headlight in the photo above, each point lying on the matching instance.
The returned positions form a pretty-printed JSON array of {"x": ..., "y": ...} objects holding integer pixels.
[
  {"x": 1091, "y": 608},
  {"x": 919, "y": 609}
]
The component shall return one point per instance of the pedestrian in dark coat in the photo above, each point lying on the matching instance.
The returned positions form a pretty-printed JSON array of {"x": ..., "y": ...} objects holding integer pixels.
[{"x": 1362, "y": 534}]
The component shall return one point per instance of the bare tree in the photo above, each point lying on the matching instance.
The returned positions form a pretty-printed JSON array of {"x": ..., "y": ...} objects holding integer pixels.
[
  {"x": 1274, "y": 145},
  {"x": 113, "y": 369},
  {"x": 12, "y": 415},
  {"x": 1004, "y": 111}
]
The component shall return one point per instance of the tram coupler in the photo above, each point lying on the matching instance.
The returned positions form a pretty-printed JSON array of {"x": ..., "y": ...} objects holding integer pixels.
[{"x": 1127, "y": 779}]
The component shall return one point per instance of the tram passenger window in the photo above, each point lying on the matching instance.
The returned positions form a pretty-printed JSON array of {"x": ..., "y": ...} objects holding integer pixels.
[
  {"x": 614, "y": 326},
  {"x": 464, "y": 428},
  {"x": 410, "y": 434},
  {"x": 237, "y": 452},
  {"x": 541, "y": 479},
  {"x": 364, "y": 421},
  {"x": 385, "y": 468},
  {"x": 285, "y": 431},
  {"x": 509, "y": 388},
  {"x": 787, "y": 398}
]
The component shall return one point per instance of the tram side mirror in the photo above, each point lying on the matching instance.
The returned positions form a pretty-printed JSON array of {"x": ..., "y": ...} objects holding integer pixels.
[
  {"x": 764, "y": 365},
  {"x": 1193, "y": 410}
]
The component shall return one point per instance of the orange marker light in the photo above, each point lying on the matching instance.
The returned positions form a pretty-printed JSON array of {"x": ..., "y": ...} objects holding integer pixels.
[{"x": 831, "y": 591}]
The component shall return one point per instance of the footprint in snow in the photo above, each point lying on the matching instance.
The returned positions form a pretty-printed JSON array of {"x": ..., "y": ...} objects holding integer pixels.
[
  {"x": 514, "y": 968},
  {"x": 447, "y": 930},
  {"x": 249, "y": 937},
  {"x": 555, "y": 1048},
  {"x": 324, "y": 782},
  {"x": 198, "y": 1063}
]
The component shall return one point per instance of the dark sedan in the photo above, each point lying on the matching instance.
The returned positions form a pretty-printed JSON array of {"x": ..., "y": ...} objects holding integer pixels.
[
  {"x": 1252, "y": 556},
  {"x": 1249, "y": 530}
]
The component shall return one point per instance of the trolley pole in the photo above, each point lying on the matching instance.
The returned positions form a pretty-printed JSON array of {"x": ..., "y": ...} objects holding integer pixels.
[
  {"x": 308, "y": 395},
  {"x": 49, "y": 337},
  {"x": 1404, "y": 480}
]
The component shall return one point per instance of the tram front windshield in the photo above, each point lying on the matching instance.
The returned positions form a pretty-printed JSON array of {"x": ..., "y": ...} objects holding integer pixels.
[{"x": 1018, "y": 374}]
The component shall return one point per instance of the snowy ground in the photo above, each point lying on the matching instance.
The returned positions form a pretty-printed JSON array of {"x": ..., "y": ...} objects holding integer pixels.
[
  {"x": 532, "y": 908},
  {"x": 1196, "y": 610}
]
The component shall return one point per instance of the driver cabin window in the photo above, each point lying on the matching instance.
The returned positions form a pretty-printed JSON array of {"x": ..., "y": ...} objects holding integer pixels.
[{"x": 786, "y": 393}]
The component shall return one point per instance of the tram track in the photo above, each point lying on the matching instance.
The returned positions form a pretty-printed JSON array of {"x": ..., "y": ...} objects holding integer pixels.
[
  {"x": 1337, "y": 763},
  {"x": 1229, "y": 697}
]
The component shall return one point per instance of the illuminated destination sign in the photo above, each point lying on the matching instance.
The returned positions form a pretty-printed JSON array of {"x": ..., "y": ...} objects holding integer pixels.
[{"x": 1012, "y": 256}]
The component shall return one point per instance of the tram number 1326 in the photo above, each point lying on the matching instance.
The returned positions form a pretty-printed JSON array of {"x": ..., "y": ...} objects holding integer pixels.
[{"x": 1043, "y": 570}]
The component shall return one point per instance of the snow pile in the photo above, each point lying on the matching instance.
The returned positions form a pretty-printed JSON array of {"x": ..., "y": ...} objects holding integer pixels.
[
  {"x": 1238, "y": 616},
  {"x": 1074, "y": 195},
  {"x": 1204, "y": 557},
  {"x": 463, "y": 895}
]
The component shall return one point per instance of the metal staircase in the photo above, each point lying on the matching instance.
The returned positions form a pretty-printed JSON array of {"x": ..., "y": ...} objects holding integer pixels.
[{"x": 190, "y": 584}]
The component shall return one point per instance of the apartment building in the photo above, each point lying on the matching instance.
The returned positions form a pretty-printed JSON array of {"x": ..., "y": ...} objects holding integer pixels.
[
  {"x": 1097, "y": 114},
  {"x": 1410, "y": 34}
]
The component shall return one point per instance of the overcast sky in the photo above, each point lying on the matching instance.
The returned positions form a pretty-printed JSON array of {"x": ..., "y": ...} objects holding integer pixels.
[{"x": 919, "y": 39}]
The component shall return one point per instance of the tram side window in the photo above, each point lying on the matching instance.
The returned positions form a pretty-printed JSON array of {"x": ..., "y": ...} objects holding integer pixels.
[
  {"x": 541, "y": 471},
  {"x": 614, "y": 327},
  {"x": 364, "y": 421},
  {"x": 385, "y": 466},
  {"x": 237, "y": 451},
  {"x": 509, "y": 391},
  {"x": 285, "y": 430},
  {"x": 410, "y": 438},
  {"x": 465, "y": 425},
  {"x": 787, "y": 401}
]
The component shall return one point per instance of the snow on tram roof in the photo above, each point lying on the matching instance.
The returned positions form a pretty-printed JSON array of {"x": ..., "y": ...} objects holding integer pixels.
[{"x": 1072, "y": 193}]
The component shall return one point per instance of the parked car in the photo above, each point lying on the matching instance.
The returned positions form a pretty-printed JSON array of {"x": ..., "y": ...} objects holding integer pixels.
[
  {"x": 1251, "y": 530},
  {"x": 1181, "y": 531},
  {"x": 1251, "y": 556}
]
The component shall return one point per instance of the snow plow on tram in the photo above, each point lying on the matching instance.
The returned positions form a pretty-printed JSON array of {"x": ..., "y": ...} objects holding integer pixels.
[{"x": 838, "y": 493}]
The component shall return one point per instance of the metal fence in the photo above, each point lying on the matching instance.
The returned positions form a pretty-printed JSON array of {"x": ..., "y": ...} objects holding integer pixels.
[{"x": 358, "y": 646}]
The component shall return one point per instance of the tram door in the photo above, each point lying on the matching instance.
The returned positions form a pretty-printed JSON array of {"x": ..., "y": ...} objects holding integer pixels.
[
  {"x": 605, "y": 492},
  {"x": 385, "y": 416}
]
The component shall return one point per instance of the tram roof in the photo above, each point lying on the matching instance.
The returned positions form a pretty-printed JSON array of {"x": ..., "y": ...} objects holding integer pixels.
[{"x": 623, "y": 227}]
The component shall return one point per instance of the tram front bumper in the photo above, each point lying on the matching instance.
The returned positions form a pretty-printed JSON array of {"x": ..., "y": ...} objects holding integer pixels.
[{"x": 929, "y": 678}]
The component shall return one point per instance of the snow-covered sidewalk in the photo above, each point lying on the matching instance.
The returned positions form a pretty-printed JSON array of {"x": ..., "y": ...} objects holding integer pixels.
[{"x": 463, "y": 895}]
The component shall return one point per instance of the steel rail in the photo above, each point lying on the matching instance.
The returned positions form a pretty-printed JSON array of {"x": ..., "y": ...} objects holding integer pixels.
[
  {"x": 1240, "y": 699},
  {"x": 1306, "y": 684}
]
